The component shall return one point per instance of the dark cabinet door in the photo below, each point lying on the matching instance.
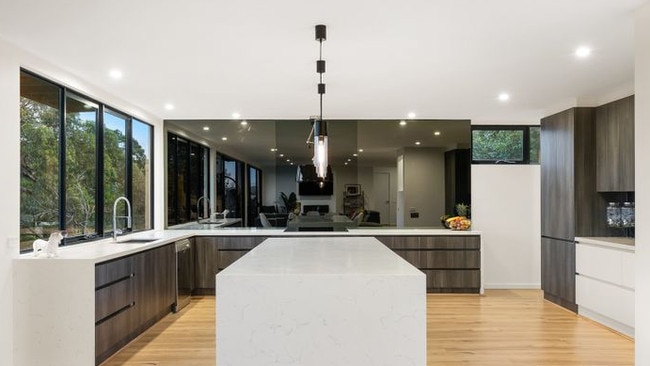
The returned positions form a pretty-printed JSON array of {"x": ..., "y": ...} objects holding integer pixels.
[
  {"x": 615, "y": 146},
  {"x": 559, "y": 272},
  {"x": 155, "y": 284},
  {"x": 557, "y": 175}
]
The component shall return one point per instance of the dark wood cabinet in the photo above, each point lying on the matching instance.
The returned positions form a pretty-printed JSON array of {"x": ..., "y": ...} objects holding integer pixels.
[
  {"x": 570, "y": 204},
  {"x": 615, "y": 146},
  {"x": 214, "y": 253},
  {"x": 559, "y": 272},
  {"x": 114, "y": 302},
  {"x": 156, "y": 285},
  {"x": 451, "y": 263},
  {"x": 131, "y": 294}
]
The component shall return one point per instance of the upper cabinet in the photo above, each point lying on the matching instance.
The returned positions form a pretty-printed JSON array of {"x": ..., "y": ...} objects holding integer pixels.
[{"x": 615, "y": 146}]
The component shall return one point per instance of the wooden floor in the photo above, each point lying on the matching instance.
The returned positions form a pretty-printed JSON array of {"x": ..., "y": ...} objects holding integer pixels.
[{"x": 504, "y": 327}]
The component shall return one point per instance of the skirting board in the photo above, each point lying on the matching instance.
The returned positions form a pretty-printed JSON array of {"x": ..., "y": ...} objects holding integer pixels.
[
  {"x": 513, "y": 286},
  {"x": 606, "y": 321}
]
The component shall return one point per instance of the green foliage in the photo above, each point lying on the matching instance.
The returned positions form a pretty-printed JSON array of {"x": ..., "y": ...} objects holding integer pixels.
[
  {"x": 289, "y": 201},
  {"x": 39, "y": 204},
  {"x": 494, "y": 145}
]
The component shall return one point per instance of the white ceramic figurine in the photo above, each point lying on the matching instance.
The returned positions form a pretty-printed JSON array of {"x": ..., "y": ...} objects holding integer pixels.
[{"x": 49, "y": 247}]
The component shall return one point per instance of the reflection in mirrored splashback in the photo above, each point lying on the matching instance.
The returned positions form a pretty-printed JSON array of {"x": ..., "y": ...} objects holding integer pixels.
[{"x": 361, "y": 152}]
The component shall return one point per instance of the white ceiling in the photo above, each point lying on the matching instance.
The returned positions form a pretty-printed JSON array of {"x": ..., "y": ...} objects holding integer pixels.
[{"x": 439, "y": 59}]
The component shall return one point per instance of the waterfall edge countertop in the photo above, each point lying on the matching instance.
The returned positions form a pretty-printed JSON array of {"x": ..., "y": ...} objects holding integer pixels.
[
  {"x": 106, "y": 249},
  {"x": 321, "y": 301}
]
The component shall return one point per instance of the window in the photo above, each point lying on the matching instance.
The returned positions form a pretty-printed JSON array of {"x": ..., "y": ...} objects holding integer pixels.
[
  {"x": 187, "y": 178},
  {"x": 254, "y": 198},
  {"x": 75, "y": 160},
  {"x": 505, "y": 144}
]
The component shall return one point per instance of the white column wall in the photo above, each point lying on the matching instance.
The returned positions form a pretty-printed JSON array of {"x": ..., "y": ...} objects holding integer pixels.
[
  {"x": 10, "y": 188},
  {"x": 642, "y": 176},
  {"x": 506, "y": 209},
  {"x": 11, "y": 59}
]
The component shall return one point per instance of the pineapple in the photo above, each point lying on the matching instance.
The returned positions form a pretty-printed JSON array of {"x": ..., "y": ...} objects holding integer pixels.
[{"x": 462, "y": 210}]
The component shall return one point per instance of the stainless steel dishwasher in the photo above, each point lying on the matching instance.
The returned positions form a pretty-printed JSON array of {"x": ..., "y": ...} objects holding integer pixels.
[{"x": 184, "y": 273}]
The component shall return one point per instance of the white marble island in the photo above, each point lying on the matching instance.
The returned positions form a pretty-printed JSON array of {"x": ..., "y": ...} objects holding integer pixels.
[{"x": 321, "y": 301}]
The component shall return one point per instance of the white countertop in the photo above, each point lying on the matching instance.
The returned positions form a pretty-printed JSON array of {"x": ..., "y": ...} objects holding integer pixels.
[
  {"x": 106, "y": 249},
  {"x": 320, "y": 256},
  {"x": 612, "y": 242}
]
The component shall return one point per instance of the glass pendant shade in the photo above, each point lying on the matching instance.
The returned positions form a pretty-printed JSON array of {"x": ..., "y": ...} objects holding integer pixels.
[{"x": 320, "y": 155}]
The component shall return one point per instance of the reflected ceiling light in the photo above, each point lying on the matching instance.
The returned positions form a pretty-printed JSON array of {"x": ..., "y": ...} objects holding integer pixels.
[
  {"x": 411, "y": 115},
  {"x": 115, "y": 74},
  {"x": 360, "y": 150},
  {"x": 243, "y": 123},
  {"x": 355, "y": 154},
  {"x": 288, "y": 160},
  {"x": 282, "y": 155},
  {"x": 169, "y": 106},
  {"x": 402, "y": 123},
  {"x": 583, "y": 52},
  {"x": 236, "y": 115},
  {"x": 206, "y": 128},
  {"x": 504, "y": 97},
  {"x": 319, "y": 126},
  {"x": 436, "y": 133},
  {"x": 417, "y": 142},
  {"x": 274, "y": 149},
  {"x": 346, "y": 163},
  {"x": 349, "y": 159},
  {"x": 224, "y": 138}
]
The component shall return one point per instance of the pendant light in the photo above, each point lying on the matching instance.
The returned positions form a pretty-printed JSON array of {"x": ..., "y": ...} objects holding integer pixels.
[{"x": 319, "y": 125}]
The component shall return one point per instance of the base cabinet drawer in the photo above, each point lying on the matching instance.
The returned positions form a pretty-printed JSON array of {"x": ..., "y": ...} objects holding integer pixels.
[{"x": 608, "y": 300}]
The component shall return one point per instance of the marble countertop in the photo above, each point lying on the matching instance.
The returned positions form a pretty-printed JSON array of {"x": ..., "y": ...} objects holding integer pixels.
[
  {"x": 320, "y": 256},
  {"x": 612, "y": 242},
  {"x": 105, "y": 249}
]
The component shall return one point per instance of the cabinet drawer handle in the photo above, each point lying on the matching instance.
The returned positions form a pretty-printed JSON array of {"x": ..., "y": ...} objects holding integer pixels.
[
  {"x": 115, "y": 313},
  {"x": 127, "y": 277}
]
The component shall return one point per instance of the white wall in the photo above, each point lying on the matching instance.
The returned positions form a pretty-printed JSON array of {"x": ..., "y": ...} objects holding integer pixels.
[
  {"x": 11, "y": 59},
  {"x": 642, "y": 176},
  {"x": 506, "y": 209},
  {"x": 10, "y": 188}
]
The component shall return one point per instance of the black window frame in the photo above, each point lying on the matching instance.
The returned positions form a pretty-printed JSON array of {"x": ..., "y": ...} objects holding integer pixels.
[
  {"x": 65, "y": 92},
  {"x": 174, "y": 215},
  {"x": 526, "y": 144}
]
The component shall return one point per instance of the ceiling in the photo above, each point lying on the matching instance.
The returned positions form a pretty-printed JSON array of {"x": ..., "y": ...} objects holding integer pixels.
[{"x": 438, "y": 59}]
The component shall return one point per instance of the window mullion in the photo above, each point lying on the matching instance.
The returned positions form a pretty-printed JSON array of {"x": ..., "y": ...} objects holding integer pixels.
[{"x": 99, "y": 158}]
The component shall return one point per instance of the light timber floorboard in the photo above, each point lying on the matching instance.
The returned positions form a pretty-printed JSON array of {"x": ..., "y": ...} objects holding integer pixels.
[{"x": 504, "y": 327}]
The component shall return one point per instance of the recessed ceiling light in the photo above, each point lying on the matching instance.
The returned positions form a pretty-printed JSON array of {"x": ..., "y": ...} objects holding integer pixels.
[
  {"x": 346, "y": 163},
  {"x": 360, "y": 150},
  {"x": 115, "y": 74},
  {"x": 583, "y": 52},
  {"x": 288, "y": 160},
  {"x": 417, "y": 142},
  {"x": 206, "y": 128},
  {"x": 436, "y": 133},
  {"x": 402, "y": 123},
  {"x": 243, "y": 123},
  {"x": 504, "y": 97},
  {"x": 411, "y": 115},
  {"x": 282, "y": 155},
  {"x": 236, "y": 115},
  {"x": 349, "y": 159},
  {"x": 169, "y": 106},
  {"x": 291, "y": 163},
  {"x": 274, "y": 149},
  {"x": 224, "y": 138},
  {"x": 355, "y": 154}
]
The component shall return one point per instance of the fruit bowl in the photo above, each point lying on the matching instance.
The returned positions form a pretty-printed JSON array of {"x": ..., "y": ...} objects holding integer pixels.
[{"x": 458, "y": 223}]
